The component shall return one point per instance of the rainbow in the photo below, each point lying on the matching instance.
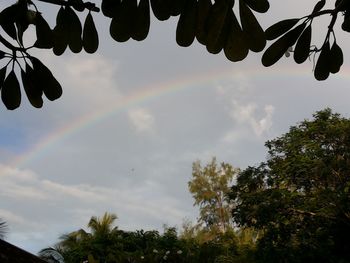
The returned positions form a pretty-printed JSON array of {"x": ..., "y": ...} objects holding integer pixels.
[{"x": 143, "y": 95}]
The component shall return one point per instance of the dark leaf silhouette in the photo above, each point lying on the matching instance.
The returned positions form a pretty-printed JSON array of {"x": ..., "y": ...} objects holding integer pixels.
[
  {"x": 75, "y": 41},
  {"x": 281, "y": 27},
  {"x": 11, "y": 92},
  {"x": 254, "y": 33},
  {"x": 32, "y": 89},
  {"x": 319, "y": 5},
  {"x": 8, "y": 18},
  {"x": 44, "y": 33},
  {"x": 77, "y": 5},
  {"x": 110, "y": 7},
  {"x": 186, "y": 26},
  {"x": 203, "y": 7},
  {"x": 160, "y": 9},
  {"x": 302, "y": 47},
  {"x": 346, "y": 23},
  {"x": 218, "y": 26},
  {"x": 43, "y": 77},
  {"x": 90, "y": 35},
  {"x": 2, "y": 76},
  {"x": 337, "y": 59},
  {"x": 142, "y": 21},
  {"x": 122, "y": 26},
  {"x": 236, "y": 47},
  {"x": 60, "y": 37},
  {"x": 260, "y": 6},
  {"x": 176, "y": 7},
  {"x": 279, "y": 47},
  {"x": 322, "y": 68}
]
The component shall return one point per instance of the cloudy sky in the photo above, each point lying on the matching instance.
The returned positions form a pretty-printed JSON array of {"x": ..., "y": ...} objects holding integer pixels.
[{"x": 133, "y": 118}]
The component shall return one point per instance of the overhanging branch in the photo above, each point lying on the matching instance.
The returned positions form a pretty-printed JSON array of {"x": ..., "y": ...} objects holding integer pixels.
[{"x": 88, "y": 5}]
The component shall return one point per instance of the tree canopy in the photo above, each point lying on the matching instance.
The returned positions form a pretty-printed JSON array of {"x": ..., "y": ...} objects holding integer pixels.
[
  {"x": 209, "y": 187},
  {"x": 214, "y": 24},
  {"x": 299, "y": 198}
]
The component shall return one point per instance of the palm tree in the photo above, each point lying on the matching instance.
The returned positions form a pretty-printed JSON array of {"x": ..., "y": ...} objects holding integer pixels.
[
  {"x": 52, "y": 254},
  {"x": 3, "y": 228},
  {"x": 80, "y": 245},
  {"x": 102, "y": 225}
]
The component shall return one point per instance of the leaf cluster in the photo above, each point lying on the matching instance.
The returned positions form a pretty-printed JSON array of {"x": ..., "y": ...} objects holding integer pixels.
[
  {"x": 230, "y": 26},
  {"x": 295, "y": 34}
]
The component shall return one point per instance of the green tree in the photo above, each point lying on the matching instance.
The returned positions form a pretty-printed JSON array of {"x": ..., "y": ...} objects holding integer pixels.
[
  {"x": 79, "y": 245},
  {"x": 214, "y": 24},
  {"x": 209, "y": 187},
  {"x": 299, "y": 198}
]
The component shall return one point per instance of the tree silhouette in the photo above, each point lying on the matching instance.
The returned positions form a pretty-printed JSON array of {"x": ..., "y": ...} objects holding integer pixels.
[{"x": 214, "y": 24}]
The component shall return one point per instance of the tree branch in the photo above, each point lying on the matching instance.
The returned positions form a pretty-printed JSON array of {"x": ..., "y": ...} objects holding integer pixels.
[
  {"x": 88, "y": 5},
  {"x": 10, "y": 46}
]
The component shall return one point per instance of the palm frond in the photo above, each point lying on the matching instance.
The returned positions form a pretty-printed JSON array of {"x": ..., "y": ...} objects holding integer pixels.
[
  {"x": 51, "y": 255},
  {"x": 3, "y": 228}
]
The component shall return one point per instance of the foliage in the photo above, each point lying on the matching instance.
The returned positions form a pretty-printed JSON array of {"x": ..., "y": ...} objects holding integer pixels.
[
  {"x": 299, "y": 198},
  {"x": 209, "y": 187},
  {"x": 214, "y": 24},
  {"x": 118, "y": 246},
  {"x": 3, "y": 229}
]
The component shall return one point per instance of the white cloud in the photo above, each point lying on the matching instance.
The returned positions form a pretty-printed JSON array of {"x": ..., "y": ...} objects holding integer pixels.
[
  {"x": 246, "y": 114},
  {"x": 142, "y": 120}
]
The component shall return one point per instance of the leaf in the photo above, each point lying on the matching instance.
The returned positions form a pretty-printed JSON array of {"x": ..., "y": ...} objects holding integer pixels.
[
  {"x": 337, "y": 58},
  {"x": 236, "y": 48},
  {"x": 74, "y": 31},
  {"x": 261, "y": 6},
  {"x": 302, "y": 48},
  {"x": 319, "y": 5},
  {"x": 160, "y": 9},
  {"x": 322, "y": 68},
  {"x": 90, "y": 35},
  {"x": 186, "y": 26},
  {"x": 43, "y": 77},
  {"x": 218, "y": 25},
  {"x": 203, "y": 7},
  {"x": 346, "y": 23},
  {"x": 2, "y": 76},
  {"x": 142, "y": 21},
  {"x": 122, "y": 25},
  {"x": 8, "y": 18},
  {"x": 77, "y": 5},
  {"x": 32, "y": 89},
  {"x": 11, "y": 92},
  {"x": 279, "y": 47},
  {"x": 110, "y": 7},
  {"x": 44, "y": 33},
  {"x": 60, "y": 36},
  {"x": 280, "y": 28},
  {"x": 176, "y": 7},
  {"x": 254, "y": 33},
  {"x": 21, "y": 19}
]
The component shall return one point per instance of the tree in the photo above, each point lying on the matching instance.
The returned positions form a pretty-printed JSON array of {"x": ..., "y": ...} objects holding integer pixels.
[
  {"x": 299, "y": 198},
  {"x": 3, "y": 229},
  {"x": 209, "y": 187},
  {"x": 212, "y": 23},
  {"x": 79, "y": 245}
]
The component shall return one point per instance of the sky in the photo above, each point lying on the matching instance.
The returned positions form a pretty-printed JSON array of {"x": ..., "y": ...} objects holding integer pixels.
[{"x": 134, "y": 117}]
